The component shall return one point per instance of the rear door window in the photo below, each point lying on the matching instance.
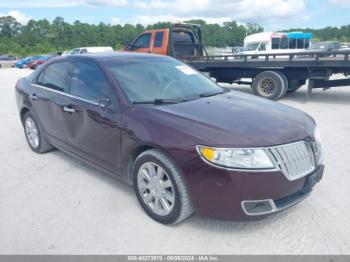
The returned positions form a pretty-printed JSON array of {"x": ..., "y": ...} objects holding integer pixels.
[
  {"x": 182, "y": 37},
  {"x": 88, "y": 82},
  {"x": 275, "y": 43},
  {"x": 292, "y": 43},
  {"x": 158, "y": 40},
  {"x": 307, "y": 43},
  {"x": 55, "y": 76},
  {"x": 300, "y": 43}
]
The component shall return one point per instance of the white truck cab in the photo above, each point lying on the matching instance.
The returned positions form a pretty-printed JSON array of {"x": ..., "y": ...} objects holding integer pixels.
[{"x": 96, "y": 49}]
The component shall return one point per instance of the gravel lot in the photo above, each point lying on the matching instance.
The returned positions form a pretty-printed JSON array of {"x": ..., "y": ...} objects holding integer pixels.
[{"x": 53, "y": 204}]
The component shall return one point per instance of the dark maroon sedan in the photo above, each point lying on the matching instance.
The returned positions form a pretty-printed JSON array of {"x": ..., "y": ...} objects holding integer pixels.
[{"x": 184, "y": 143}]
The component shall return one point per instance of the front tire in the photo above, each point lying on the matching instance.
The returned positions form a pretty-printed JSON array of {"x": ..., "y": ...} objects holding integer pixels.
[
  {"x": 160, "y": 188},
  {"x": 35, "y": 135}
]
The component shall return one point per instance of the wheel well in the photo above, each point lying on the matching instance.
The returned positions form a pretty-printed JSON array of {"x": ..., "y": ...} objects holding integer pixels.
[
  {"x": 23, "y": 112},
  {"x": 132, "y": 157}
]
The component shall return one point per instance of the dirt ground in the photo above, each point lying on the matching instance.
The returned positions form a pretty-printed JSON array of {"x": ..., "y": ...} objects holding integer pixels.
[{"x": 53, "y": 204}]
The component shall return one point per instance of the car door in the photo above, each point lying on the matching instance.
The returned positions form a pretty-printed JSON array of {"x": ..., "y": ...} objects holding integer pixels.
[
  {"x": 142, "y": 44},
  {"x": 47, "y": 95},
  {"x": 91, "y": 118}
]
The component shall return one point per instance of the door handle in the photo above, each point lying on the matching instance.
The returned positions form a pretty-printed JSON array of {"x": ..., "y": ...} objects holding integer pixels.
[
  {"x": 68, "y": 109},
  {"x": 33, "y": 97}
]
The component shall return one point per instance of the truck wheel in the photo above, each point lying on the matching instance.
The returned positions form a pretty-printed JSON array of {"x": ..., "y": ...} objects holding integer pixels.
[
  {"x": 286, "y": 82},
  {"x": 294, "y": 85},
  {"x": 270, "y": 84}
]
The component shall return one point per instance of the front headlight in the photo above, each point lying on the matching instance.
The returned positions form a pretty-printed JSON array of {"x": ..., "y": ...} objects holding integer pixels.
[
  {"x": 318, "y": 146},
  {"x": 236, "y": 158}
]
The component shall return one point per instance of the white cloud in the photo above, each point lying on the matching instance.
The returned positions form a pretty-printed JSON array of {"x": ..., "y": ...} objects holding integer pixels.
[
  {"x": 116, "y": 21},
  {"x": 245, "y": 10},
  {"x": 114, "y": 3},
  {"x": 340, "y": 2},
  {"x": 152, "y": 19},
  {"x": 59, "y": 3},
  {"x": 20, "y": 17}
]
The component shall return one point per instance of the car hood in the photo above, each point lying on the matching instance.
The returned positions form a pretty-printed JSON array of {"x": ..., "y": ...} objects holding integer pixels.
[{"x": 236, "y": 119}]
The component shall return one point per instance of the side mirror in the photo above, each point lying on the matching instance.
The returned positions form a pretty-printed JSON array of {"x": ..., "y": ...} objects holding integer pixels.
[
  {"x": 127, "y": 45},
  {"x": 104, "y": 103},
  {"x": 213, "y": 79}
]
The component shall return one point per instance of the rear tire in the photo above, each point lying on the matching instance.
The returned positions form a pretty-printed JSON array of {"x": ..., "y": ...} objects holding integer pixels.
[
  {"x": 294, "y": 85},
  {"x": 160, "y": 188},
  {"x": 286, "y": 82},
  {"x": 35, "y": 135},
  {"x": 270, "y": 84}
]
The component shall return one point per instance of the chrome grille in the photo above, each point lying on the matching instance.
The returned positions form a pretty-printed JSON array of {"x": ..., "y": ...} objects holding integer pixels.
[{"x": 294, "y": 160}]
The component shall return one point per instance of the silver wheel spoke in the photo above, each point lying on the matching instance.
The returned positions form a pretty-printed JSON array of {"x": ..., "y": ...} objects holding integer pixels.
[
  {"x": 151, "y": 170},
  {"x": 157, "y": 205},
  {"x": 160, "y": 174},
  {"x": 143, "y": 185},
  {"x": 166, "y": 184},
  {"x": 165, "y": 204},
  {"x": 148, "y": 198},
  {"x": 146, "y": 175},
  {"x": 169, "y": 196}
]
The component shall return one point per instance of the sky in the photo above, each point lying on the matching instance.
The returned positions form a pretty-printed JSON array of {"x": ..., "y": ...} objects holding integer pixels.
[{"x": 273, "y": 15}]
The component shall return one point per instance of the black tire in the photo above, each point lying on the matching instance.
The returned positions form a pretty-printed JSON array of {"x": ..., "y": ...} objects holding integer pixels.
[
  {"x": 286, "y": 82},
  {"x": 182, "y": 207},
  {"x": 270, "y": 85},
  {"x": 294, "y": 85},
  {"x": 43, "y": 145}
]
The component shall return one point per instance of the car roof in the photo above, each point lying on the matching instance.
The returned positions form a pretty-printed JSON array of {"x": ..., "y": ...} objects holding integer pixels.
[{"x": 113, "y": 56}]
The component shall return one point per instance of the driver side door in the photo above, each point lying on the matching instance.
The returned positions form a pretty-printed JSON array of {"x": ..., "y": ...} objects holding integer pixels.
[
  {"x": 142, "y": 44},
  {"x": 92, "y": 121}
]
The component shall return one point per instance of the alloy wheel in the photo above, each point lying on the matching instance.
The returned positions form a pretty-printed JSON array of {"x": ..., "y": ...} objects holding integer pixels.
[
  {"x": 156, "y": 188},
  {"x": 32, "y": 132}
]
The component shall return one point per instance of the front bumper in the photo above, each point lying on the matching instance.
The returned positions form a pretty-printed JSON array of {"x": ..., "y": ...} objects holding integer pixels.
[
  {"x": 221, "y": 194},
  {"x": 270, "y": 206}
]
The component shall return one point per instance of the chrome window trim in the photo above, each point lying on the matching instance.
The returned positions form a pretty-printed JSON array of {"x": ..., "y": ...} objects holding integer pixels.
[{"x": 65, "y": 94}]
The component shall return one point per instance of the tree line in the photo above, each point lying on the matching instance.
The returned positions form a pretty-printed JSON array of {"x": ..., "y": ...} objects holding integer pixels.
[{"x": 42, "y": 36}]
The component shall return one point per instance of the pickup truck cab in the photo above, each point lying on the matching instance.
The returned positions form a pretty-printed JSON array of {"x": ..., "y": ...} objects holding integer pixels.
[{"x": 180, "y": 40}]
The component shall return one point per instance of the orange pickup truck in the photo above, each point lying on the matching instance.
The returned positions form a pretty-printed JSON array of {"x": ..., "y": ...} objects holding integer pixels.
[
  {"x": 179, "y": 40},
  {"x": 271, "y": 76}
]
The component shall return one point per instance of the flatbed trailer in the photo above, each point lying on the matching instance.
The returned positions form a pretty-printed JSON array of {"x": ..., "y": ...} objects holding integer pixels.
[
  {"x": 294, "y": 68},
  {"x": 272, "y": 75}
]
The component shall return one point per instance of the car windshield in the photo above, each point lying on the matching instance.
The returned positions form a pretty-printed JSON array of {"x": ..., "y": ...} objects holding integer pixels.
[
  {"x": 74, "y": 51},
  {"x": 155, "y": 79},
  {"x": 251, "y": 47}
]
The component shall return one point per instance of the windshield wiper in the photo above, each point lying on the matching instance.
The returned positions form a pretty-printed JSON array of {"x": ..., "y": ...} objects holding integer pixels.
[
  {"x": 160, "y": 101},
  {"x": 208, "y": 94}
]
